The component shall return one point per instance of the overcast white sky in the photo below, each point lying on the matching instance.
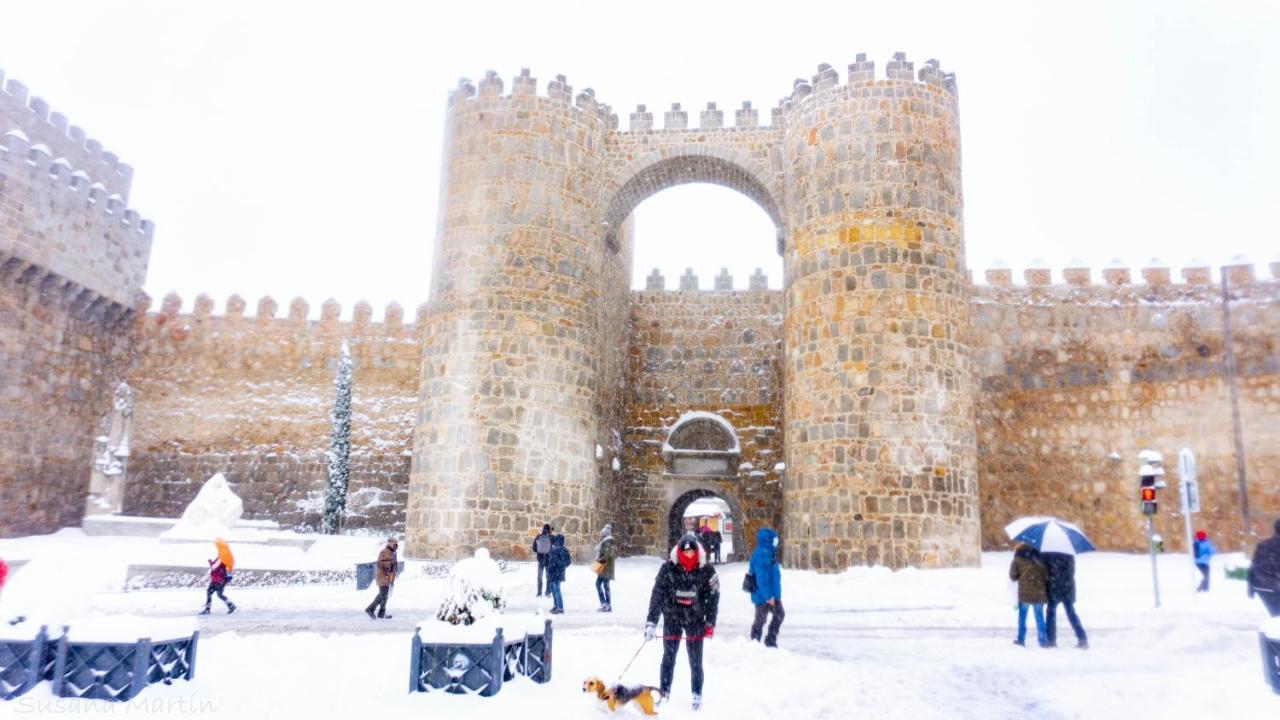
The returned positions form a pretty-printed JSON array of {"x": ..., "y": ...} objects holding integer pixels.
[{"x": 293, "y": 148}]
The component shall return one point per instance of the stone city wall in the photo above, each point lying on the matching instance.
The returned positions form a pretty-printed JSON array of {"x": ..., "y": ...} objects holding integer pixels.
[
  {"x": 63, "y": 350},
  {"x": 72, "y": 261},
  {"x": 1077, "y": 378},
  {"x": 251, "y": 397},
  {"x": 717, "y": 351}
]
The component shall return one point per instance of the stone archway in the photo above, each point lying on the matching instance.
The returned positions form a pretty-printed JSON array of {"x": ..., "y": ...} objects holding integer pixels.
[
  {"x": 685, "y": 495},
  {"x": 699, "y": 165}
]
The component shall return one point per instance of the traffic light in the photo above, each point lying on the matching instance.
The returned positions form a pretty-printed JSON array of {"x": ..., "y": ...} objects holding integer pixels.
[{"x": 1149, "y": 504}]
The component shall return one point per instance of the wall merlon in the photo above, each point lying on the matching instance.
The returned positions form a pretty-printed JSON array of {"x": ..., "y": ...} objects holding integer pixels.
[
  {"x": 235, "y": 306},
  {"x": 724, "y": 281},
  {"x": 464, "y": 90},
  {"x": 1037, "y": 275},
  {"x": 826, "y": 79},
  {"x": 560, "y": 89},
  {"x": 800, "y": 89},
  {"x": 171, "y": 304},
  {"x": 490, "y": 84},
  {"x": 1239, "y": 271},
  {"x": 655, "y": 281},
  {"x": 1117, "y": 273},
  {"x": 746, "y": 116},
  {"x": 17, "y": 91},
  {"x": 330, "y": 311},
  {"x": 267, "y": 307},
  {"x": 524, "y": 83},
  {"x": 1077, "y": 273},
  {"x": 900, "y": 68},
  {"x": 931, "y": 73},
  {"x": 758, "y": 280},
  {"x": 203, "y": 306},
  {"x": 688, "y": 281},
  {"x": 362, "y": 313},
  {"x": 999, "y": 275},
  {"x": 862, "y": 70},
  {"x": 586, "y": 101},
  {"x": 711, "y": 118},
  {"x": 298, "y": 309},
  {"x": 393, "y": 315},
  {"x": 641, "y": 119},
  {"x": 1156, "y": 273},
  {"x": 421, "y": 315},
  {"x": 675, "y": 118}
]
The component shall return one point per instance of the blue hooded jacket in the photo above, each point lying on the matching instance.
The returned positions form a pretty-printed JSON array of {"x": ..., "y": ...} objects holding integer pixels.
[
  {"x": 765, "y": 567},
  {"x": 557, "y": 560}
]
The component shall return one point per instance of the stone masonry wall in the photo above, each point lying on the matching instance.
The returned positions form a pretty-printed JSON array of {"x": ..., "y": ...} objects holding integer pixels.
[
  {"x": 251, "y": 398},
  {"x": 62, "y": 352},
  {"x": 700, "y": 350},
  {"x": 1076, "y": 379}
]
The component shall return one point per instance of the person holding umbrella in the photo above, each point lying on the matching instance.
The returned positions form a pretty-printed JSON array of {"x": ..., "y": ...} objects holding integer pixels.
[
  {"x": 1029, "y": 572},
  {"x": 1058, "y": 542}
]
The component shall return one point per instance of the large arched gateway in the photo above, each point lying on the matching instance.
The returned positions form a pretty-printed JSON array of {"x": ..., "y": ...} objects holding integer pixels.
[{"x": 849, "y": 392}]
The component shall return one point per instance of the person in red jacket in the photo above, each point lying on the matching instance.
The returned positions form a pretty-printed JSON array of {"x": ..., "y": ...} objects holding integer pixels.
[{"x": 218, "y": 579}]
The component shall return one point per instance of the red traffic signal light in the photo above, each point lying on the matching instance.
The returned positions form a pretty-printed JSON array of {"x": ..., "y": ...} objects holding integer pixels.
[{"x": 1148, "y": 494}]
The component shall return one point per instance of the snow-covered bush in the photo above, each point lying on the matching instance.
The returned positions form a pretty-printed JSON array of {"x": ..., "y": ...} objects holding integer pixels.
[
  {"x": 214, "y": 511},
  {"x": 474, "y": 590}
]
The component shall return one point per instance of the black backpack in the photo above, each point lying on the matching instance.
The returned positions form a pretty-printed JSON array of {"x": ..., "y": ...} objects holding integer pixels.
[
  {"x": 542, "y": 544},
  {"x": 749, "y": 583}
]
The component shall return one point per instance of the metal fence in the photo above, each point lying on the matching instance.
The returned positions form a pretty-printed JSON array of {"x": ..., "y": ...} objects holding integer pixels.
[
  {"x": 479, "y": 669},
  {"x": 94, "y": 670}
]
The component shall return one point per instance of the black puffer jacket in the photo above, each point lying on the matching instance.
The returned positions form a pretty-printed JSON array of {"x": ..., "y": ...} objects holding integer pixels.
[
  {"x": 687, "y": 599},
  {"x": 1264, "y": 572},
  {"x": 1061, "y": 585}
]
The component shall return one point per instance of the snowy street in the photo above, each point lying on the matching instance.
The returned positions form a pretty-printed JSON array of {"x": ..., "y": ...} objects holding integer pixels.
[{"x": 867, "y": 643}]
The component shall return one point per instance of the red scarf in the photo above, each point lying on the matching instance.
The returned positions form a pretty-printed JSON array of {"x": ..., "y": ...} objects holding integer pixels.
[{"x": 686, "y": 562}]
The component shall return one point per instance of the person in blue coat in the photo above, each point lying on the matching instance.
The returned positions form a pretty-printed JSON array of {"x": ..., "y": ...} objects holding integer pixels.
[
  {"x": 1204, "y": 551},
  {"x": 767, "y": 597},
  {"x": 557, "y": 561}
]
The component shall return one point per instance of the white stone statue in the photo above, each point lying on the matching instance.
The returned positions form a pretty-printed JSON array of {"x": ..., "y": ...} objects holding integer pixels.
[{"x": 110, "y": 457}]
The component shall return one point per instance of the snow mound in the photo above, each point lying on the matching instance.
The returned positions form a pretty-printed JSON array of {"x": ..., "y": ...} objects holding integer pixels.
[
  {"x": 213, "y": 512},
  {"x": 1271, "y": 629}
]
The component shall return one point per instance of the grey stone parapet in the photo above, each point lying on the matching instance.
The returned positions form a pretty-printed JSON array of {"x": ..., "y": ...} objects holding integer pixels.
[
  {"x": 267, "y": 308},
  {"x": 656, "y": 282},
  {"x": 861, "y": 72},
  {"x": 1239, "y": 271}
]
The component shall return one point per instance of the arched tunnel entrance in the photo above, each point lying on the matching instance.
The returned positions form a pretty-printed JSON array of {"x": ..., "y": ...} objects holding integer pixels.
[{"x": 715, "y": 509}]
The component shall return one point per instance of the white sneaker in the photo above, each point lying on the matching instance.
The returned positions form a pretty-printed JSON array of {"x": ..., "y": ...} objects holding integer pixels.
[{"x": 697, "y": 702}]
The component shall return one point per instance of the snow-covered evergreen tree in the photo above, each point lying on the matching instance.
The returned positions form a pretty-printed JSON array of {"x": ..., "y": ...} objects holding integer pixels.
[
  {"x": 475, "y": 590},
  {"x": 335, "y": 490}
]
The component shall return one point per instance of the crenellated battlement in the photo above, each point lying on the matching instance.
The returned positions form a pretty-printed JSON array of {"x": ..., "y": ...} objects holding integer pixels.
[
  {"x": 298, "y": 313},
  {"x": 33, "y": 116},
  {"x": 861, "y": 74},
  {"x": 17, "y": 151},
  {"x": 656, "y": 282},
  {"x": 1154, "y": 275}
]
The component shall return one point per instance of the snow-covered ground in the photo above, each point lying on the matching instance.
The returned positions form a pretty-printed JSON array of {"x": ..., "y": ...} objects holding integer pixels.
[{"x": 866, "y": 643}]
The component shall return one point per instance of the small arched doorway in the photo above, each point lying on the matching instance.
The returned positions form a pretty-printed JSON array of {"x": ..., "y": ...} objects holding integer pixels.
[{"x": 718, "y": 510}]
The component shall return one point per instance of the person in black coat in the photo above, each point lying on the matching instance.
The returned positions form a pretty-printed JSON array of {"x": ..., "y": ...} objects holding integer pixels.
[
  {"x": 558, "y": 560},
  {"x": 1264, "y": 573},
  {"x": 541, "y": 547},
  {"x": 1061, "y": 586},
  {"x": 687, "y": 595}
]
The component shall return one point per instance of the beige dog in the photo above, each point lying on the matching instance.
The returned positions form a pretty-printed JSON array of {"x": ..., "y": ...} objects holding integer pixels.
[{"x": 644, "y": 695}]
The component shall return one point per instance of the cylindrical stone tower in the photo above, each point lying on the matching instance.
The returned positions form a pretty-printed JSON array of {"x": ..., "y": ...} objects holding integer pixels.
[
  {"x": 880, "y": 451},
  {"x": 509, "y": 411}
]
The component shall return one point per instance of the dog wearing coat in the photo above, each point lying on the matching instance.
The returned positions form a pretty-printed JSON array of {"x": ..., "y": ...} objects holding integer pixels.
[{"x": 644, "y": 695}]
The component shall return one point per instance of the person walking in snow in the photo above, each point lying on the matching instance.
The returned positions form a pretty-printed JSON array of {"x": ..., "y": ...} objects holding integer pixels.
[
  {"x": 1060, "y": 588},
  {"x": 386, "y": 568},
  {"x": 716, "y": 539},
  {"x": 606, "y": 551},
  {"x": 558, "y": 560},
  {"x": 541, "y": 550},
  {"x": 686, "y": 593},
  {"x": 1204, "y": 551},
  {"x": 767, "y": 597},
  {"x": 1030, "y": 573},
  {"x": 1264, "y": 573},
  {"x": 219, "y": 576}
]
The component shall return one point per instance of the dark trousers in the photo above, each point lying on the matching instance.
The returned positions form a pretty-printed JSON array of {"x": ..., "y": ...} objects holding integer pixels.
[
  {"x": 215, "y": 589},
  {"x": 1271, "y": 600},
  {"x": 379, "y": 604},
  {"x": 1051, "y": 621},
  {"x": 763, "y": 611},
  {"x": 1204, "y": 582},
  {"x": 692, "y": 645},
  {"x": 542, "y": 570}
]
